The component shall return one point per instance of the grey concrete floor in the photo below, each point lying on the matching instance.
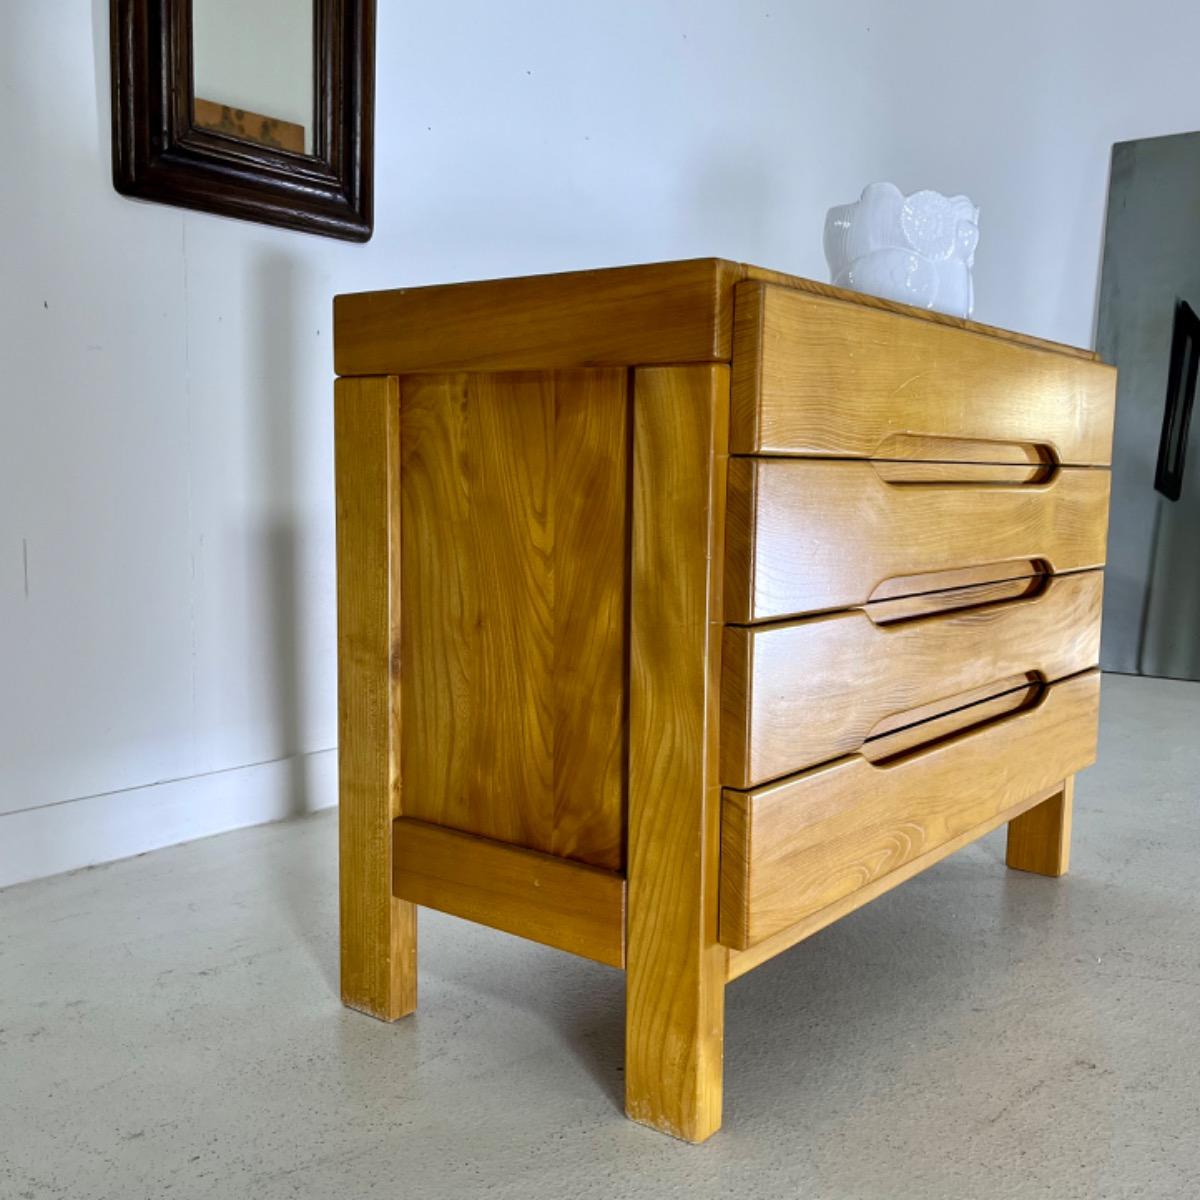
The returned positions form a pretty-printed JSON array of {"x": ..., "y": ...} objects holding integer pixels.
[{"x": 170, "y": 1027}]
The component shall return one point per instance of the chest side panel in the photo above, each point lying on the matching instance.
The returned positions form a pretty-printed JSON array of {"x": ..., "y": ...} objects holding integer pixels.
[{"x": 514, "y": 577}]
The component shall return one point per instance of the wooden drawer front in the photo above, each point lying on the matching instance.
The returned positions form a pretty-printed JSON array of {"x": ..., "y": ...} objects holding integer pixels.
[
  {"x": 796, "y": 847},
  {"x": 819, "y": 376},
  {"x": 805, "y": 535},
  {"x": 798, "y": 694}
]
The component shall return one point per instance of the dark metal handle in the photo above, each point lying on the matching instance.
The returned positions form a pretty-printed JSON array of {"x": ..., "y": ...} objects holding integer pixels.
[{"x": 1181, "y": 393}]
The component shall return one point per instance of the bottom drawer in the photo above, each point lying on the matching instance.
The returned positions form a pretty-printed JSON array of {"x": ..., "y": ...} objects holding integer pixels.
[{"x": 792, "y": 848}]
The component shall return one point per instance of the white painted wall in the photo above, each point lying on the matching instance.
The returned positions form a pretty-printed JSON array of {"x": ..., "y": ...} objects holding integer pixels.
[
  {"x": 256, "y": 55},
  {"x": 166, "y": 531}
]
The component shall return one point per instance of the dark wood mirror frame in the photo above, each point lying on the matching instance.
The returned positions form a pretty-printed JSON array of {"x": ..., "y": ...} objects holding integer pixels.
[{"x": 160, "y": 153}]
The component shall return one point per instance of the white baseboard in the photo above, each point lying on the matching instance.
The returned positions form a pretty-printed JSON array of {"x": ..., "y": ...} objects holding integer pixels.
[{"x": 95, "y": 829}]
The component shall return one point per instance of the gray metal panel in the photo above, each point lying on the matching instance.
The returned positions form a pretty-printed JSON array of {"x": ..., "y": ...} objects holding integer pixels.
[
  {"x": 1171, "y": 646},
  {"x": 1151, "y": 256}
]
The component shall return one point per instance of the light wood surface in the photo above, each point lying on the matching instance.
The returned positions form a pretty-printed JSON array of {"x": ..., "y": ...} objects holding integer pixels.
[
  {"x": 378, "y": 932},
  {"x": 1040, "y": 839},
  {"x": 551, "y": 900},
  {"x": 621, "y": 316},
  {"x": 806, "y": 535},
  {"x": 818, "y": 376},
  {"x": 1022, "y": 580},
  {"x": 893, "y": 470},
  {"x": 934, "y": 722},
  {"x": 740, "y": 962},
  {"x": 899, "y": 592},
  {"x": 815, "y": 288},
  {"x": 514, "y": 555},
  {"x": 797, "y": 694},
  {"x": 672, "y": 312},
  {"x": 674, "y": 963},
  {"x": 547, "y": 552},
  {"x": 796, "y": 847}
]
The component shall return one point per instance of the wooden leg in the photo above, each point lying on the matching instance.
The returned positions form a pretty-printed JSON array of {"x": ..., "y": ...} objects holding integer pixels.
[
  {"x": 675, "y": 968},
  {"x": 1040, "y": 840},
  {"x": 378, "y": 932}
]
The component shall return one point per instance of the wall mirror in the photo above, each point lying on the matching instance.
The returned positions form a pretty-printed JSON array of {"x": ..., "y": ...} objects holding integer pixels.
[{"x": 260, "y": 109}]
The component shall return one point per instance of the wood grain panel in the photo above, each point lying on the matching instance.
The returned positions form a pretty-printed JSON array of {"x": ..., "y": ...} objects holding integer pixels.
[
  {"x": 551, "y": 900},
  {"x": 911, "y": 592},
  {"x": 904, "y": 606},
  {"x": 816, "y": 288},
  {"x": 924, "y": 471},
  {"x": 672, "y": 312},
  {"x": 741, "y": 961},
  {"x": 812, "y": 534},
  {"x": 813, "y": 375},
  {"x": 792, "y": 849},
  {"x": 797, "y": 694},
  {"x": 620, "y": 316},
  {"x": 378, "y": 932},
  {"x": 897, "y": 736},
  {"x": 675, "y": 967},
  {"x": 514, "y": 577}
]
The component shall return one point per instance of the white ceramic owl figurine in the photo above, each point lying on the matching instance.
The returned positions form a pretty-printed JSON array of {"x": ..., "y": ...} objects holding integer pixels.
[{"x": 917, "y": 249}]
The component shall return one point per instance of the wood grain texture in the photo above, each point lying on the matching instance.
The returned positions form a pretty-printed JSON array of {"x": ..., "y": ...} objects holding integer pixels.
[
  {"x": 546, "y": 498},
  {"x": 671, "y": 312},
  {"x": 818, "y": 376},
  {"x": 514, "y": 576},
  {"x": 739, "y": 962},
  {"x": 378, "y": 932},
  {"x": 815, "y": 288},
  {"x": 674, "y": 963},
  {"x": 620, "y": 316},
  {"x": 923, "y": 471},
  {"x": 551, "y": 900},
  {"x": 806, "y": 535},
  {"x": 1040, "y": 839},
  {"x": 897, "y": 736},
  {"x": 791, "y": 849},
  {"x": 1022, "y": 579},
  {"x": 918, "y": 592},
  {"x": 794, "y": 695}
]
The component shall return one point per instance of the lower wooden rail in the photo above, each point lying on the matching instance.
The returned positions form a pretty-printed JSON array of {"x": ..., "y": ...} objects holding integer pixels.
[{"x": 555, "y": 901}]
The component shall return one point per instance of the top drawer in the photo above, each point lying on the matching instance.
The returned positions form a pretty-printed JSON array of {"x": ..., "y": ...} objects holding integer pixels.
[{"x": 815, "y": 376}]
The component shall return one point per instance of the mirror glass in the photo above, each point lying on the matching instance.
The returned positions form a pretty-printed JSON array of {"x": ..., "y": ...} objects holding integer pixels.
[{"x": 253, "y": 70}]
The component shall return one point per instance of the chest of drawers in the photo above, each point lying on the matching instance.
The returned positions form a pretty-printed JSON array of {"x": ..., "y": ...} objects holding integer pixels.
[{"x": 683, "y": 609}]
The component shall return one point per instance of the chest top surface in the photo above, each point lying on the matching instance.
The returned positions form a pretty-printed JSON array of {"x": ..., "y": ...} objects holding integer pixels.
[{"x": 672, "y": 312}]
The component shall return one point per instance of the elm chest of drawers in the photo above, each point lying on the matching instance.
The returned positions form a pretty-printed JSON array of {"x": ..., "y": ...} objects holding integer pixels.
[{"x": 683, "y": 609}]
